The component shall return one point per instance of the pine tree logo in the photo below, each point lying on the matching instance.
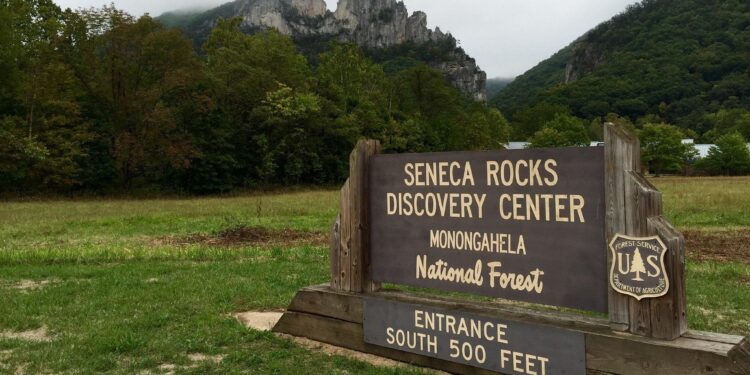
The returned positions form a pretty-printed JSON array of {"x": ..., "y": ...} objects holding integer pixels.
[{"x": 637, "y": 266}]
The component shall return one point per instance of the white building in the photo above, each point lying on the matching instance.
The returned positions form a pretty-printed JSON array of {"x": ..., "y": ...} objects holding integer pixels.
[
  {"x": 702, "y": 148},
  {"x": 516, "y": 145}
]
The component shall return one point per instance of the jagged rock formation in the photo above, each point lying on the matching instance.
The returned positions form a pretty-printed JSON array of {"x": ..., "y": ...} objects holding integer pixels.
[
  {"x": 373, "y": 24},
  {"x": 465, "y": 75},
  {"x": 383, "y": 23}
]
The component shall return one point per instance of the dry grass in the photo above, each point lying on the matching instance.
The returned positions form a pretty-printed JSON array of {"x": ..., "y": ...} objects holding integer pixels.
[
  {"x": 706, "y": 203},
  {"x": 95, "y": 230}
]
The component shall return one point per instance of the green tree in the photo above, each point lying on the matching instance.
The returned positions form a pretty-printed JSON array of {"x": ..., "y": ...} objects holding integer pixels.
[
  {"x": 527, "y": 121},
  {"x": 730, "y": 156},
  {"x": 562, "y": 131},
  {"x": 596, "y": 128},
  {"x": 9, "y": 56},
  {"x": 40, "y": 97},
  {"x": 289, "y": 120},
  {"x": 140, "y": 81},
  {"x": 249, "y": 66},
  {"x": 358, "y": 95},
  {"x": 727, "y": 121},
  {"x": 403, "y": 136},
  {"x": 275, "y": 122},
  {"x": 487, "y": 129},
  {"x": 346, "y": 77},
  {"x": 54, "y": 120},
  {"x": 424, "y": 96},
  {"x": 662, "y": 150},
  {"x": 18, "y": 154}
]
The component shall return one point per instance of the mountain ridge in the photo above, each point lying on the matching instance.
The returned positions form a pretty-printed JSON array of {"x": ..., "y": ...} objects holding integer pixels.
[
  {"x": 665, "y": 60},
  {"x": 372, "y": 24}
]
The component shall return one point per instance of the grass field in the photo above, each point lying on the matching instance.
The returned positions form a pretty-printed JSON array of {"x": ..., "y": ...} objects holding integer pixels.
[
  {"x": 706, "y": 203},
  {"x": 126, "y": 286}
]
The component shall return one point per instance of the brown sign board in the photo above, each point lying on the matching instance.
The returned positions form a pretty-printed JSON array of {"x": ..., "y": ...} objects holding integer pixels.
[
  {"x": 525, "y": 225},
  {"x": 500, "y": 345}
]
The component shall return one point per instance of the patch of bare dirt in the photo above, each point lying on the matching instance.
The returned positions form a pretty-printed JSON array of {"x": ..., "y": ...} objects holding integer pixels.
[
  {"x": 166, "y": 368},
  {"x": 254, "y": 236},
  {"x": 29, "y": 285},
  {"x": 259, "y": 321},
  {"x": 200, "y": 357},
  {"x": 36, "y": 335},
  {"x": 170, "y": 369},
  {"x": 724, "y": 246},
  {"x": 4, "y": 355}
]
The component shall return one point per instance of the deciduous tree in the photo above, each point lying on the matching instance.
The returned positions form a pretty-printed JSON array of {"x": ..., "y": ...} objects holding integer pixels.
[
  {"x": 662, "y": 150},
  {"x": 562, "y": 131},
  {"x": 730, "y": 156}
]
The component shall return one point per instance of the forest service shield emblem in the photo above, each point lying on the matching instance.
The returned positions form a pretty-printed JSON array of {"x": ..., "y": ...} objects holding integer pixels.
[{"x": 638, "y": 266}]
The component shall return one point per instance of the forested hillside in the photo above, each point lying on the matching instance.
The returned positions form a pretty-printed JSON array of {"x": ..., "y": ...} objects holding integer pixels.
[
  {"x": 102, "y": 101},
  {"x": 682, "y": 62}
]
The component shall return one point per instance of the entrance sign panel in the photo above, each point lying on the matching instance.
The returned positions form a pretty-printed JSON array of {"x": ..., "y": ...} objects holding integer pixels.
[
  {"x": 576, "y": 227},
  {"x": 525, "y": 225},
  {"x": 505, "y": 346}
]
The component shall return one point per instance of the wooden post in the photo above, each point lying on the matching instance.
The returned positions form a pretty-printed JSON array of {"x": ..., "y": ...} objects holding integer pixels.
[
  {"x": 350, "y": 243},
  {"x": 618, "y": 158},
  {"x": 634, "y": 208},
  {"x": 335, "y": 254}
]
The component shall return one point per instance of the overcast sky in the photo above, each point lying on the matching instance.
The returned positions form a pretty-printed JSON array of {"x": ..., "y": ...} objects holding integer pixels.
[{"x": 507, "y": 37}]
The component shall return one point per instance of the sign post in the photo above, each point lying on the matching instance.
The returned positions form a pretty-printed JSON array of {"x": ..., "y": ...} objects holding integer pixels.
[
  {"x": 578, "y": 228},
  {"x": 634, "y": 210},
  {"x": 350, "y": 237}
]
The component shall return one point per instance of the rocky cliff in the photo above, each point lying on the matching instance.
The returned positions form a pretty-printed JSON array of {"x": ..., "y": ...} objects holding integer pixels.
[
  {"x": 372, "y": 24},
  {"x": 587, "y": 56}
]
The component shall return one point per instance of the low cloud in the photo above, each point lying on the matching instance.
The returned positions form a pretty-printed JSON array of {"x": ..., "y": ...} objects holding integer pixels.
[{"x": 507, "y": 37}]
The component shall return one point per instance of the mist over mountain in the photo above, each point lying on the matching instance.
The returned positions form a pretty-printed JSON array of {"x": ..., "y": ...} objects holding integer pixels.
[
  {"x": 384, "y": 28},
  {"x": 676, "y": 61},
  {"x": 495, "y": 85}
]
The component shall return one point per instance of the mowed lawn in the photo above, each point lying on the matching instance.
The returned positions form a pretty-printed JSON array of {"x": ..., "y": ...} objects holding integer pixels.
[{"x": 142, "y": 286}]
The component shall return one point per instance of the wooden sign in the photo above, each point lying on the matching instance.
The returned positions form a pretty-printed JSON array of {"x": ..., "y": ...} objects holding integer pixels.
[
  {"x": 575, "y": 227},
  {"x": 485, "y": 342},
  {"x": 524, "y": 225}
]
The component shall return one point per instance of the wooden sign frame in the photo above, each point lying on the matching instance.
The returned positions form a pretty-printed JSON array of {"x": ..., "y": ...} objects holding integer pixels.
[
  {"x": 634, "y": 209},
  {"x": 649, "y": 336}
]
